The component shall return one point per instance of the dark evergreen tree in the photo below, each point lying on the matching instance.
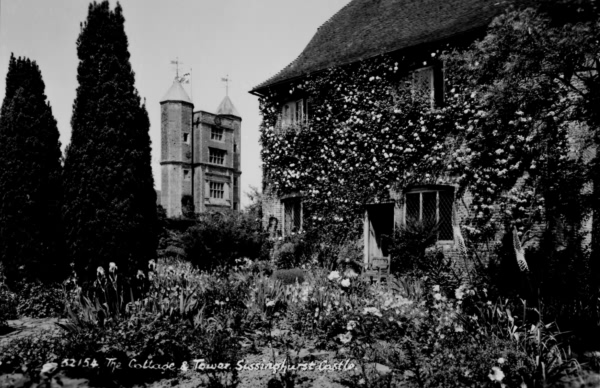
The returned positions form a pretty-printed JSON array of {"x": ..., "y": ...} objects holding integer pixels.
[
  {"x": 110, "y": 202},
  {"x": 30, "y": 156}
]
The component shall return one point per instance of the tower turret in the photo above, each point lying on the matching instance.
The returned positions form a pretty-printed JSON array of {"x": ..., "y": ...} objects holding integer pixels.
[{"x": 176, "y": 150}]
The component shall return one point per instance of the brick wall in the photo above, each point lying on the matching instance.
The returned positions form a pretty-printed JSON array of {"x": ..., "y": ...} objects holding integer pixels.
[{"x": 272, "y": 208}]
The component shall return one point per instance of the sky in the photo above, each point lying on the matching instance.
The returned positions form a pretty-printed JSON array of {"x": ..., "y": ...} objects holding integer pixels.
[{"x": 247, "y": 40}]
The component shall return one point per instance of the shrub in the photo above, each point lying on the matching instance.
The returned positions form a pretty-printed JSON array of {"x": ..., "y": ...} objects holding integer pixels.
[
  {"x": 408, "y": 246},
  {"x": 8, "y": 305},
  {"x": 8, "y": 301},
  {"x": 39, "y": 300},
  {"x": 289, "y": 276},
  {"x": 218, "y": 239},
  {"x": 292, "y": 251}
]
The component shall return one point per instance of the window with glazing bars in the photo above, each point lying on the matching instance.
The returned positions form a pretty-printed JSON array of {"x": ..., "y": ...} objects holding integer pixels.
[
  {"x": 217, "y": 190},
  {"x": 216, "y": 134},
  {"x": 216, "y": 156},
  {"x": 433, "y": 209}
]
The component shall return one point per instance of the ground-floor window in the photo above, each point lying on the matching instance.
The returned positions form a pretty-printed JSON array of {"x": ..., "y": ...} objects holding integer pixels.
[{"x": 431, "y": 207}]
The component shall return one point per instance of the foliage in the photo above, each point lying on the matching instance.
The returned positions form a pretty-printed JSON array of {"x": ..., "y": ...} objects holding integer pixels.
[
  {"x": 110, "y": 202},
  {"x": 408, "y": 246},
  {"x": 187, "y": 206},
  {"x": 411, "y": 333},
  {"x": 38, "y": 300},
  {"x": 8, "y": 305},
  {"x": 30, "y": 224},
  {"x": 292, "y": 251},
  {"x": 219, "y": 238},
  {"x": 256, "y": 201},
  {"x": 176, "y": 315},
  {"x": 8, "y": 301},
  {"x": 289, "y": 276}
]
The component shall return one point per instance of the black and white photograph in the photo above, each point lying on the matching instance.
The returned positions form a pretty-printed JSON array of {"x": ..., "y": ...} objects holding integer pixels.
[{"x": 313, "y": 194}]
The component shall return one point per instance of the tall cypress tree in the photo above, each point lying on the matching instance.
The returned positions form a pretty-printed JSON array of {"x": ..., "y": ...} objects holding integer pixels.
[
  {"x": 30, "y": 156},
  {"x": 110, "y": 202}
]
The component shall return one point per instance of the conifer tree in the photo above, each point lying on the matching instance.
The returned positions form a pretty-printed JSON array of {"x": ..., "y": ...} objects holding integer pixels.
[
  {"x": 30, "y": 156},
  {"x": 110, "y": 202}
]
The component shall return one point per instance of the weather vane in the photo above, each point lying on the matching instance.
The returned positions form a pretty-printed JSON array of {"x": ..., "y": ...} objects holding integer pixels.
[
  {"x": 182, "y": 79},
  {"x": 226, "y": 79}
]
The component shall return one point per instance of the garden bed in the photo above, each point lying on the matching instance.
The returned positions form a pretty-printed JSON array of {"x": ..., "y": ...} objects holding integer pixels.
[{"x": 251, "y": 329}]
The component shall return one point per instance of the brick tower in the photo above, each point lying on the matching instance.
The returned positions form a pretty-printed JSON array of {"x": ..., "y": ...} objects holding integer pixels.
[{"x": 200, "y": 155}]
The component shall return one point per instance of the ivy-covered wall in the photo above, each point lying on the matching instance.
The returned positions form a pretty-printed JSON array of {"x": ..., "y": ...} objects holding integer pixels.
[{"x": 368, "y": 134}]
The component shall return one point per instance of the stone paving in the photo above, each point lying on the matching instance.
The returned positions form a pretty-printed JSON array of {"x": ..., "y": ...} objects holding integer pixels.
[{"x": 30, "y": 326}]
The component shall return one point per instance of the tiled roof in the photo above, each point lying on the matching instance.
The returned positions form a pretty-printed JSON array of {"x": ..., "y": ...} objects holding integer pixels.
[
  {"x": 366, "y": 28},
  {"x": 176, "y": 93},
  {"x": 226, "y": 108}
]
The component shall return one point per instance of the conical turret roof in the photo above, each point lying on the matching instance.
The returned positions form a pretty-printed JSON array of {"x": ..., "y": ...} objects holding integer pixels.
[
  {"x": 176, "y": 93},
  {"x": 226, "y": 108}
]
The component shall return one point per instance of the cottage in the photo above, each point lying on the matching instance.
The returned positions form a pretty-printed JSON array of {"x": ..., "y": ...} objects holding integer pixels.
[{"x": 363, "y": 30}]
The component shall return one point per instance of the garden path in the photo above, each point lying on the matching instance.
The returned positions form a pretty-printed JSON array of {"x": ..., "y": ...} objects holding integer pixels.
[{"x": 29, "y": 326}]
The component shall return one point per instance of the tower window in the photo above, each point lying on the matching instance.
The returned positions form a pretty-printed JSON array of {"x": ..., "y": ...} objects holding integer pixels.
[
  {"x": 216, "y": 156},
  {"x": 186, "y": 138},
  {"x": 216, "y": 134},
  {"x": 217, "y": 190},
  {"x": 186, "y": 175},
  {"x": 234, "y": 147}
]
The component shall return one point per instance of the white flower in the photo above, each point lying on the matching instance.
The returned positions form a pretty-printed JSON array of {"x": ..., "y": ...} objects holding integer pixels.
[
  {"x": 270, "y": 303},
  {"x": 151, "y": 264},
  {"x": 345, "y": 338},
  {"x": 351, "y": 325},
  {"x": 496, "y": 375},
  {"x": 112, "y": 267},
  {"x": 459, "y": 292},
  {"x": 49, "y": 367},
  {"x": 436, "y": 288},
  {"x": 346, "y": 283},
  {"x": 437, "y": 296},
  {"x": 333, "y": 275},
  {"x": 100, "y": 271},
  {"x": 350, "y": 273},
  {"x": 140, "y": 274},
  {"x": 501, "y": 361}
]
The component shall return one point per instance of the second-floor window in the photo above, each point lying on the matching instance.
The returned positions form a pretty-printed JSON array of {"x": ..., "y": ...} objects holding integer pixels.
[
  {"x": 216, "y": 134},
  {"x": 432, "y": 208},
  {"x": 294, "y": 112},
  {"x": 217, "y": 190},
  {"x": 216, "y": 156},
  {"x": 427, "y": 85}
]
